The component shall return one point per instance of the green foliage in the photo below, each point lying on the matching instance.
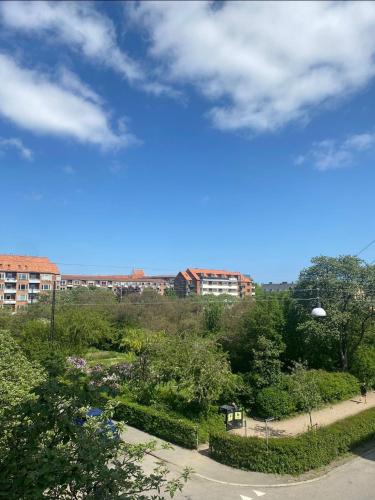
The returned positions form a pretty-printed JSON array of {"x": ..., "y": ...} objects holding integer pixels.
[
  {"x": 178, "y": 431},
  {"x": 304, "y": 391},
  {"x": 56, "y": 458},
  {"x": 336, "y": 386},
  {"x": 363, "y": 365},
  {"x": 294, "y": 455},
  {"x": 18, "y": 376},
  {"x": 346, "y": 285},
  {"x": 212, "y": 314},
  {"x": 107, "y": 358},
  {"x": 274, "y": 402},
  {"x": 138, "y": 340},
  {"x": 194, "y": 365}
]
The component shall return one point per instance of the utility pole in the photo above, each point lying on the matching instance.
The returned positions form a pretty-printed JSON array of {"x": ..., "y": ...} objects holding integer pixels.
[{"x": 53, "y": 307}]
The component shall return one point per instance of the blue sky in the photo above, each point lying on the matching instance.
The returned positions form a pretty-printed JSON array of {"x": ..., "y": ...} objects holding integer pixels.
[{"x": 162, "y": 136}]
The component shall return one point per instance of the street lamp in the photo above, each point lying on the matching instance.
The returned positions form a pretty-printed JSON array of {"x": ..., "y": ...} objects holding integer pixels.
[{"x": 318, "y": 311}]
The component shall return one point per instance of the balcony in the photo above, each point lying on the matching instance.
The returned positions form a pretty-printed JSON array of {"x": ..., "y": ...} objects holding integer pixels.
[
  {"x": 9, "y": 301},
  {"x": 9, "y": 289},
  {"x": 34, "y": 280},
  {"x": 8, "y": 279},
  {"x": 34, "y": 290}
]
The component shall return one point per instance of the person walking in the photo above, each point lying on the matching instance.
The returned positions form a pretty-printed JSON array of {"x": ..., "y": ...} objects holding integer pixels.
[{"x": 364, "y": 392}]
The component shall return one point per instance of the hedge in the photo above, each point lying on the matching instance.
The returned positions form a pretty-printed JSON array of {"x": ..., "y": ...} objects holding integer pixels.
[
  {"x": 178, "y": 431},
  {"x": 294, "y": 455}
]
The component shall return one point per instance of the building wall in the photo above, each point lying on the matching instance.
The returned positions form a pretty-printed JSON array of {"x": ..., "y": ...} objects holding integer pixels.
[
  {"x": 204, "y": 282},
  {"x": 137, "y": 282},
  {"x": 17, "y": 289}
]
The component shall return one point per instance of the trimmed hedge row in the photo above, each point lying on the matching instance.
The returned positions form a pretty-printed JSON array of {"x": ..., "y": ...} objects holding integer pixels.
[
  {"x": 294, "y": 455},
  {"x": 178, "y": 431}
]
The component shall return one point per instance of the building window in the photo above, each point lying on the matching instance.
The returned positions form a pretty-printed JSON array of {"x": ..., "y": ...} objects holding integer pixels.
[
  {"x": 76, "y": 282},
  {"x": 46, "y": 287},
  {"x": 63, "y": 282},
  {"x": 2, "y": 276},
  {"x": 23, "y": 276},
  {"x": 22, "y": 297},
  {"x": 22, "y": 287},
  {"x": 46, "y": 277}
]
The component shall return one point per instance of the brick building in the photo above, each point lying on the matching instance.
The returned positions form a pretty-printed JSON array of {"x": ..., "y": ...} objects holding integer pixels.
[
  {"x": 213, "y": 281},
  {"x": 24, "y": 278},
  {"x": 136, "y": 282}
]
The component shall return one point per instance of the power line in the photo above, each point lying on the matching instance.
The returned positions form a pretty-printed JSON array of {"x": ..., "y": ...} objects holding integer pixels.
[{"x": 365, "y": 248}]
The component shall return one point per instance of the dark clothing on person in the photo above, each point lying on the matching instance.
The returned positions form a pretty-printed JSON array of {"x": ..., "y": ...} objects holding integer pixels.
[{"x": 363, "y": 390}]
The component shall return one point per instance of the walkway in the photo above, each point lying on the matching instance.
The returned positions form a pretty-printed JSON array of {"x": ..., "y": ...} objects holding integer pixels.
[{"x": 300, "y": 423}]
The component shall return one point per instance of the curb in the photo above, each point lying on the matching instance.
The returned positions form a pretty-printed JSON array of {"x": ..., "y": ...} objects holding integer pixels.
[{"x": 277, "y": 485}]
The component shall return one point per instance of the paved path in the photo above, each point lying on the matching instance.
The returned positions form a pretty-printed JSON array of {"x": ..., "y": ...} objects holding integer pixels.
[
  {"x": 354, "y": 480},
  {"x": 300, "y": 423}
]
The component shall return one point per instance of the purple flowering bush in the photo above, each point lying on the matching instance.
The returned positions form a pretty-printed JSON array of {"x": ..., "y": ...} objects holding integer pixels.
[{"x": 76, "y": 362}]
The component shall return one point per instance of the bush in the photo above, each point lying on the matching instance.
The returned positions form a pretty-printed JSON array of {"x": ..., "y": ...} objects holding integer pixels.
[
  {"x": 294, "y": 455},
  {"x": 282, "y": 401},
  {"x": 363, "y": 365},
  {"x": 336, "y": 386},
  {"x": 178, "y": 431},
  {"x": 274, "y": 402}
]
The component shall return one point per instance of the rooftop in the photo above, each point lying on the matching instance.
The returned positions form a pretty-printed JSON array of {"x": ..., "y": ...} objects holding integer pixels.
[{"x": 26, "y": 263}]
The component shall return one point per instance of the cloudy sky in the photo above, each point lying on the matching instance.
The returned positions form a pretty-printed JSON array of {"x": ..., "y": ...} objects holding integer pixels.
[{"x": 237, "y": 135}]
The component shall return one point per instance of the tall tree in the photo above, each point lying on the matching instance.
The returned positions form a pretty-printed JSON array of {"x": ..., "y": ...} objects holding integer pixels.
[{"x": 347, "y": 291}]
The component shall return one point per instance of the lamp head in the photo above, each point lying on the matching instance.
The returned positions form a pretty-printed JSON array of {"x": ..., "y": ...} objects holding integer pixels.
[{"x": 318, "y": 312}]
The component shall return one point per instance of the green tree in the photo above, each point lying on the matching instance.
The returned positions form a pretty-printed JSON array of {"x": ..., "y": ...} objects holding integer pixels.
[
  {"x": 346, "y": 288},
  {"x": 212, "y": 314},
  {"x": 196, "y": 367},
  {"x": 18, "y": 375},
  {"x": 55, "y": 458},
  {"x": 363, "y": 365},
  {"x": 304, "y": 389}
]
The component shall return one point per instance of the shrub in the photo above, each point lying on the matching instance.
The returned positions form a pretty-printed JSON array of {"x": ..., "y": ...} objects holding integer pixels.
[
  {"x": 294, "y": 455},
  {"x": 363, "y": 365},
  {"x": 336, "y": 386},
  {"x": 274, "y": 402},
  {"x": 283, "y": 400},
  {"x": 178, "y": 431}
]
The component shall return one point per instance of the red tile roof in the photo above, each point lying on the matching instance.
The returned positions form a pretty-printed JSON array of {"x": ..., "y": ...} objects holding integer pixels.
[
  {"x": 186, "y": 276},
  {"x": 24, "y": 263},
  {"x": 138, "y": 276},
  {"x": 195, "y": 271}
]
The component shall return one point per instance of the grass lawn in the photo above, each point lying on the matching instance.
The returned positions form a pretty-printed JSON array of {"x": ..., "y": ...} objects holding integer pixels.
[{"x": 107, "y": 358}]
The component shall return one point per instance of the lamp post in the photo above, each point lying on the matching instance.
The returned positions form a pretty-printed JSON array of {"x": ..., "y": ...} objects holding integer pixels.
[{"x": 318, "y": 311}]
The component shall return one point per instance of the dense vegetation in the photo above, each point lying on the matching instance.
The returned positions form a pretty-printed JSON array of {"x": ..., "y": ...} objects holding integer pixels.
[
  {"x": 170, "y": 362},
  {"x": 294, "y": 455}
]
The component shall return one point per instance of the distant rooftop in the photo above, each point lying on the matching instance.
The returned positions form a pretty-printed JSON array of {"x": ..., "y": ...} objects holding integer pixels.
[{"x": 277, "y": 287}]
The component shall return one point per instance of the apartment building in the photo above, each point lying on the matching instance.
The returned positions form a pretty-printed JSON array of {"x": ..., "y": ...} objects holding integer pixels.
[
  {"x": 24, "y": 278},
  {"x": 213, "y": 281},
  {"x": 136, "y": 282},
  {"x": 284, "y": 286}
]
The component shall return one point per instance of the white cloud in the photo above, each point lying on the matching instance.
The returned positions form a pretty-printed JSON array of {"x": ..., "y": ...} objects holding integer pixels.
[
  {"x": 14, "y": 142},
  {"x": 34, "y": 102},
  {"x": 76, "y": 24},
  {"x": 332, "y": 154},
  {"x": 70, "y": 81},
  {"x": 263, "y": 64}
]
